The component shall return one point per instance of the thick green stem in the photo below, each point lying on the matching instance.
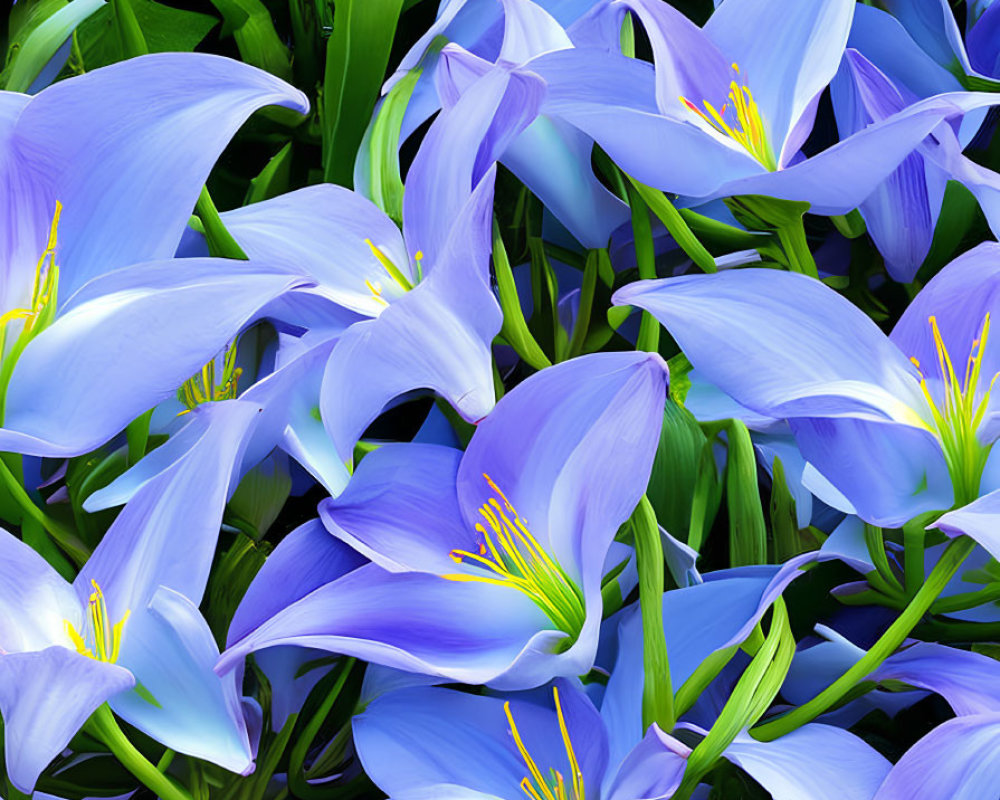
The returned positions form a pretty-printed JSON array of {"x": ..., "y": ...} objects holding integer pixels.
[
  {"x": 876, "y": 549},
  {"x": 913, "y": 555},
  {"x": 582, "y": 324},
  {"x": 952, "y": 558},
  {"x": 645, "y": 257},
  {"x": 104, "y": 726},
  {"x": 515, "y": 328},
  {"x": 657, "y": 691},
  {"x": 68, "y": 541}
]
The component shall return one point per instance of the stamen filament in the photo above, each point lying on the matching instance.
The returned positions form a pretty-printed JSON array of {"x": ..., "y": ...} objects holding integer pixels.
[{"x": 534, "y": 785}]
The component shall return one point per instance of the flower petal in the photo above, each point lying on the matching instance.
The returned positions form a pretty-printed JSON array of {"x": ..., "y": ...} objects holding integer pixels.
[
  {"x": 166, "y": 535},
  {"x": 45, "y": 697},
  {"x": 146, "y": 132},
  {"x": 125, "y": 343},
  {"x": 170, "y": 649},
  {"x": 781, "y": 343},
  {"x": 977, "y": 520},
  {"x": 401, "y": 509},
  {"x": 815, "y": 761},
  {"x": 957, "y": 759}
]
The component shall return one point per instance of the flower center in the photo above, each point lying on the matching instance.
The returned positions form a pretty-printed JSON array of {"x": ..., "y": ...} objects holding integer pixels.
[
  {"x": 41, "y": 309},
  {"x": 394, "y": 272},
  {"x": 509, "y": 555},
  {"x": 107, "y": 637},
  {"x": 739, "y": 119},
  {"x": 957, "y": 414},
  {"x": 536, "y": 785},
  {"x": 202, "y": 387}
]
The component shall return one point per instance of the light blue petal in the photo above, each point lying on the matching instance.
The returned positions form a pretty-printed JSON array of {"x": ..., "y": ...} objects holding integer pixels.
[
  {"x": 170, "y": 649},
  {"x": 457, "y": 153},
  {"x": 529, "y": 31},
  {"x": 401, "y": 509},
  {"x": 321, "y": 231},
  {"x": 125, "y": 343},
  {"x": 970, "y": 682},
  {"x": 35, "y": 601},
  {"x": 652, "y": 770},
  {"x": 815, "y": 761},
  {"x": 882, "y": 39},
  {"x": 783, "y": 447},
  {"x": 982, "y": 42},
  {"x": 977, "y": 520},
  {"x": 888, "y": 472},
  {"x": 469, "y": 632},
  {"x": 781, "y": 343},
  {"x": 45, "y": 697},
  {"x": 957, "y": 760},
  {"x": 146, "y": 132},
  {"x": 304, "y": 560},
  {"x": 932, "y": 25},
  {"x": 436, "y": 336},
  {"x": 787, "y": 52},
  {"x": 166, "y": 535}
]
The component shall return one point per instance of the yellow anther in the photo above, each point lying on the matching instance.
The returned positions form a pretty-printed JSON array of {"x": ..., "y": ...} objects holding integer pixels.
[
  {"x": 746, "y": 127},
  {"x": 391, "y": 269},
  {"x": 376, "y": 289},
  {"x": 535, "y": 784},
  {"x": 509, "y": 555},
  {"x": 107, "y": 638}
]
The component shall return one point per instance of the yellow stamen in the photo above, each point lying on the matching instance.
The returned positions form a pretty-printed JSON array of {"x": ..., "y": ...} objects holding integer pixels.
[
  {"x": 509, "y": 555},
  {"x": 391, "y": 269},
  {"x": 958, "y": 412},
  {"x": 747, "y": 127},
  {"x": 202, "y": 388},
  {"x": 535, "y": 785},
  {"x": 107, "y": 638}
]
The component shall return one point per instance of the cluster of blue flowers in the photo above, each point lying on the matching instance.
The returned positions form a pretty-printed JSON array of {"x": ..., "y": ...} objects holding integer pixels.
[{"x": 603, "y": 408}]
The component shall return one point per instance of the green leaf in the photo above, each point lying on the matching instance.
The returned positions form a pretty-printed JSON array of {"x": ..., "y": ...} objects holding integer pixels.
[
  {"x": 261, "y": 495},
  {"x": 250, "y": 24},
  {"x": 385, "y": 182},
  {"x": 784, "y": 522},
  {"x": 356, "y": 58},
  {"x": 41, "y": 41},
  {"x": 230, "y": 577},
  {"x": 274, "y": 179},
  {"x": 165, "y": 29},
  {"x": 675, "y": 469},
  {"x": 747, "y": 531},
  {"x": 676, "y": 225}
]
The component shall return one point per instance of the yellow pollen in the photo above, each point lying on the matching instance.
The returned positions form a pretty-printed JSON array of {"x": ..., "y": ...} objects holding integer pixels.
[
  {"x": 391, "y": 269},
  {"x": 744, "y": 125},
  {"x": 43, "y": 289},
  {"x": 535, "y": 785},
  {"x": 509, "y": 555},
  {"x": 107, "y": 637},
  {"x": 202, "y": 388},
  {"x": 957, "y": 414}
]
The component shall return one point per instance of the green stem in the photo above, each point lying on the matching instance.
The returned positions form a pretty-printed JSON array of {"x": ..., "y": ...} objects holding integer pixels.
[
  {"x": 966, "y": 600},
  {"x": 515, "y": 328},
  {"x": 296, "y": 760},
  {"x": 675, "y": 224},
  {"x": 220, "y": 241},
  {"x": 645, "y": 257},
  {"x": 66, "y": 538},
  {"x": 876, "y": 549},
  {"x": 104, "y": 726},
  {"x": 913, "y": 555},
  {"x": 657, "y": 691},
  {"x": 952, "y": 558},
  {"x": 586, "y": 305}
]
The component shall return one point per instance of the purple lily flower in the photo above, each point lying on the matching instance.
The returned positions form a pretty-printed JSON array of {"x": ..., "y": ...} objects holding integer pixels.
[
  {"x": 127, "y": 631},
  {"x": 126, "y": 334},
  {"x": 426, "y": 313},
  {"x": 487, "y": 566},
  {"x": 725, "y": 114},
  {"x": 409, "y": 740},
  {"x": 900, "y": 424}
]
